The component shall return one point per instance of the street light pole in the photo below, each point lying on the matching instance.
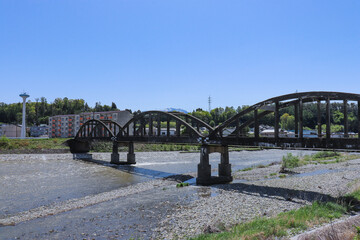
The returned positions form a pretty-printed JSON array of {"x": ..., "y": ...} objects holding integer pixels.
[{"x": 23, "y": 127}]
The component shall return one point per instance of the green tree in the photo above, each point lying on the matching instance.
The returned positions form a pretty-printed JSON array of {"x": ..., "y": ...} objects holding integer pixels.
[
  {"x": 216, "y": 115},
  {"x": 113, "y": 106},
  {"x": 338, "y": 117},
  {"x": 287, "y": 121},
  {"x": 202, "y": 115}
]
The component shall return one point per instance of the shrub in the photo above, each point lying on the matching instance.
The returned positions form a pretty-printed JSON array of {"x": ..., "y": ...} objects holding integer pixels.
[
  {"x": 182, "y": 184},
  {"x": 101, "y": 146},
  {"x": 325, "y": 154},
  {"x": 4, "y": 142},
  {"x": 290, "y": 161}
]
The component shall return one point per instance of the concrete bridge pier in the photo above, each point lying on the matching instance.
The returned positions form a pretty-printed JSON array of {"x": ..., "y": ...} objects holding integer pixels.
[
  {"x": 225, "y": 166},
  {"x": 131, "y": 154},
  {"x": 115, "y": 156},
  {"x": 204, "y": 168}
]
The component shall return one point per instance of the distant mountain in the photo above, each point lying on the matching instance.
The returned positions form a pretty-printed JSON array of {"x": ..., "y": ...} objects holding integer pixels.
[{"x": 175, "y": 109}]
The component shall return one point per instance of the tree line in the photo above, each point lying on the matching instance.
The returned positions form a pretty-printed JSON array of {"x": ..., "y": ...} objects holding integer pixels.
[
  {"x": 287, "y": 116},
  {"x": 38, "y": 112}
]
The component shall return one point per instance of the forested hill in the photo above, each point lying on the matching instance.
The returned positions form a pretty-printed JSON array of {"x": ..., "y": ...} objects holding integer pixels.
[{"x": 39, "y": 111}]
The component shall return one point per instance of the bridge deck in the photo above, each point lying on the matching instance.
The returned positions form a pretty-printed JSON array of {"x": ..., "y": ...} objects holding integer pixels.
[{"x": 148, "y": 127}]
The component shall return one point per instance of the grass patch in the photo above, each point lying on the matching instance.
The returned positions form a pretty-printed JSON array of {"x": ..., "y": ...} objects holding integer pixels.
[
  {"x": 247, "y": 169},
  {"x": 182, "y": 184},
  {"x": 326, "y": 157},
  {"x": 253, "y": 167},
  {"x": 238, "y": 149},
  {"x": 293, "y": 221},
  {"x": 101, "y": 146},
  {"x": 354, "y": 195},
  {"x": 96, "y": 146},
  {"x": 166, "y": 147},
  {"x": 25, "y": 144},
  {"x": 279, "y": 226}
]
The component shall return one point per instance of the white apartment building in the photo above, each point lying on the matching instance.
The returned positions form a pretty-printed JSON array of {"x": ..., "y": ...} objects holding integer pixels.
[{"x": 66, "y": 126}]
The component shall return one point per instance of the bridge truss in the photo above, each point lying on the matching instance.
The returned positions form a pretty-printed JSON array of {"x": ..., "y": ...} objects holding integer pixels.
[{"x": 176, "y": 127}]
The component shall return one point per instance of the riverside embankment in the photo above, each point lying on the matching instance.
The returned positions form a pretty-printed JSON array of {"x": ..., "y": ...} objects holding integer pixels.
[{"x": 53, "y": 196}]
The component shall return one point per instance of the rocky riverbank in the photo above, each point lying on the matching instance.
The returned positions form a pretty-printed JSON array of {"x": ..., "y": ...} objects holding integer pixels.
[
  {"x": 257, "y": 193},
  {"x": 45, "y": 194}
]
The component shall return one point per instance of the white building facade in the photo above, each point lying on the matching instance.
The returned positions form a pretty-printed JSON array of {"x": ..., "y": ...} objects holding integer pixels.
[{"x": 66, "y": 126}]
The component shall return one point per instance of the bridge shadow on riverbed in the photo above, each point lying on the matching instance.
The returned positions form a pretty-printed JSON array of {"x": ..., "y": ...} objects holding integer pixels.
[
  {"x": 284, "y": 194},
  {"x": 143, "y": 172}
]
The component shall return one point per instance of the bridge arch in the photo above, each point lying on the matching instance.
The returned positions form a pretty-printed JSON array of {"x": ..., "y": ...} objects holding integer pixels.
[
  {"x": 273, "y": 105},
  {"x": 148, "y": 124},
  {"x": 98, "y": 129}
]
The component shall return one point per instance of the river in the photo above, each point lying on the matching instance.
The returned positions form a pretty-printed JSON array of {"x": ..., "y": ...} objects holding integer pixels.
[{"x": 29, "y": 181}]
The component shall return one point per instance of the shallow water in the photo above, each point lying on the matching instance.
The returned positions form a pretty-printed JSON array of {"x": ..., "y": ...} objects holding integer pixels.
[{"x": 30, "y": 181}]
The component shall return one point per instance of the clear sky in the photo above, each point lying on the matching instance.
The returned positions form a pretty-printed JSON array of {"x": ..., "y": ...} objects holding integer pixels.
[{"x": 154, "y": 54}]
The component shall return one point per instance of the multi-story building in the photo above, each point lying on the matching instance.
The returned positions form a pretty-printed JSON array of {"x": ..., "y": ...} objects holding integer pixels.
[
  {"x": 37, "y": 131},
  {"x": 10, "y": 130},
  {"x": 68, "y": 125}
]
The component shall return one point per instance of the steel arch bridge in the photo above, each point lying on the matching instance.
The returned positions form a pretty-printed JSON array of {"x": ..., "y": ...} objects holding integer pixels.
[
  {"x": 175, "y": 127},
  {"x": 295, "y": 100}
]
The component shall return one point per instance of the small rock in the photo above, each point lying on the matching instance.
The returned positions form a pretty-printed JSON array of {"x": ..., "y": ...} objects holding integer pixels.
[{"x": 211, "y": 229}]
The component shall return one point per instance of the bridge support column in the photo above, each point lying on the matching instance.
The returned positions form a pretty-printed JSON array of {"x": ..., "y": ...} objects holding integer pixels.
[
  {"x": 346, "y": 127},
  {"x": 358, "y": 103},
  {"x": 225, "y": 166},
  {"x": 301, "y": 121},
  {"x": 131, "y": 154},
  {"x": 115, "y": 157},
  {"x": 319, "y": 118},
  {"x": 204, "y": 168},
  {"x": 328, "y": 117},
  {"x": 277, "y": 120}
]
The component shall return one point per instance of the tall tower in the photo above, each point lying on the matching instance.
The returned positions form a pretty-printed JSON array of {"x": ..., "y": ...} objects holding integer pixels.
[
  {"x": 23, "y": 127},
  {"x": 209, "y": 101}
]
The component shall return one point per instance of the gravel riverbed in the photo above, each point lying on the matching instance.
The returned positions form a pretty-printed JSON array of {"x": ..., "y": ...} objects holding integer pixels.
[
  {"x": 153, "y": 208},
  {"x": 252, "y": 195}
]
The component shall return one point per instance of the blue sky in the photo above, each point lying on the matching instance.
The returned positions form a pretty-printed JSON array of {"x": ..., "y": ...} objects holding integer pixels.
[{"x": 158, "y": 54}]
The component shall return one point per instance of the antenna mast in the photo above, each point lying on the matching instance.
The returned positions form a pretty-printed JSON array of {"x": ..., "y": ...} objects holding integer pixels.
[{"x": 209, "y": 101}]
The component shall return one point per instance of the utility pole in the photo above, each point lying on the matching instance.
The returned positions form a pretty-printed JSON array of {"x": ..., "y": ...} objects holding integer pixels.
[{"x": 209, "y": 101}]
